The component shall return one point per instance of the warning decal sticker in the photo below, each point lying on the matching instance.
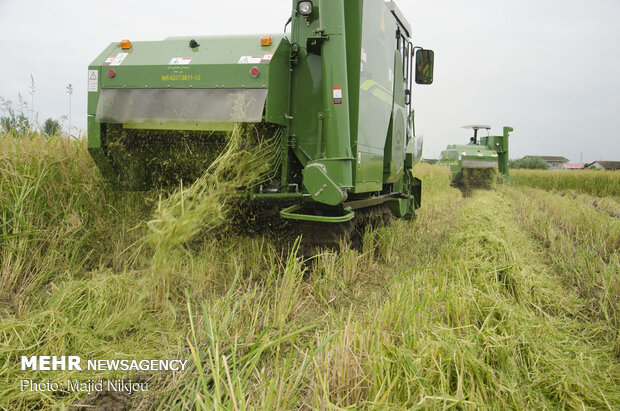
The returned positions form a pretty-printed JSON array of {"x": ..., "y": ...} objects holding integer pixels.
[
  {"x": 267, "y": 58},
  {"x": 116, "y": 60},
  {"x": 93, "y": 81},
  {"x": 337, "y": 92},
  {"x": 180, "y": 60},
  {"x": 250, "y": 60}
]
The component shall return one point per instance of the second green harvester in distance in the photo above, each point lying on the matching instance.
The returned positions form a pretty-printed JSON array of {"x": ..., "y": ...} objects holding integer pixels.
[
  {"x": 477, "y": 163},
  {"x": 334, "y": 94}
]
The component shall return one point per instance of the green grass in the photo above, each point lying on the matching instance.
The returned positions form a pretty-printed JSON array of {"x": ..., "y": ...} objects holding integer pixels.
[
  {"x": 506, "y": 299},
  {"x": 593, "y": 182}
]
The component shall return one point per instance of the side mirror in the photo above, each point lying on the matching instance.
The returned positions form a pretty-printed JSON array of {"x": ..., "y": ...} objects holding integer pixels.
[{"x": 424, "y": 64}]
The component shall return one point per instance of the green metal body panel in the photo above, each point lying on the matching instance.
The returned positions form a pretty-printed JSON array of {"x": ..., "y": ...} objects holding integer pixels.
[
  {"x": 376, "y": 95},
  {"x": 335, "y": 87},
  {"x": 396, "y": 137},
  {"x": 214, "y": 64},
  {"x": 321, "y": 186},
  {"x": 500, "y": 145}
]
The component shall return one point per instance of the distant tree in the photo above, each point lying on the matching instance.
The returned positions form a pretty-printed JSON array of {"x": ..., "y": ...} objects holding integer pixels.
[
  {"x": 531, "y": 163},
  {"x": 51, "y": 127}
]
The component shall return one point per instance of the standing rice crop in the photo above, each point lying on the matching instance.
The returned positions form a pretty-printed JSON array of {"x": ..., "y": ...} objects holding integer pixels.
[{"x": 598, "y": 183}]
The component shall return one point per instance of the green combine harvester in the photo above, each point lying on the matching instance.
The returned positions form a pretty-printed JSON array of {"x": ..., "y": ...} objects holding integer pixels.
[
  {"x": 333, "y": 96},
  {"x": 477, "y": 163}
]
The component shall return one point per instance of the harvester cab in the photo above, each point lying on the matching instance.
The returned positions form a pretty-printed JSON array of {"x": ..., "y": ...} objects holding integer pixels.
[
  {"x": 476, "y": 128},
  {"x": 477, "y": 163},
  {"x": 329, "y": 105}
]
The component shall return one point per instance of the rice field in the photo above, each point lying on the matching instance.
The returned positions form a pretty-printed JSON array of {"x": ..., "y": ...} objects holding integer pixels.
[
  {"x": 505, "y": 299},
  {"x": 594, "y": 182}
]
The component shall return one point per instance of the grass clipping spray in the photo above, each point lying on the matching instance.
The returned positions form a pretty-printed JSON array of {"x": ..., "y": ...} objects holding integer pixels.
[{"x": 206, "y": 205}]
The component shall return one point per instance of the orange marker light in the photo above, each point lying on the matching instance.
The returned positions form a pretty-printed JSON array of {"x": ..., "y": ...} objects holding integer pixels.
[
  {"x": 266, "y": 41},
  {"x": 125, "y": 44}
]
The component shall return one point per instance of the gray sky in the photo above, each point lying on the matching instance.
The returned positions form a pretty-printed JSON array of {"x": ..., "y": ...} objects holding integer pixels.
[{"x": 550, "y": 69}]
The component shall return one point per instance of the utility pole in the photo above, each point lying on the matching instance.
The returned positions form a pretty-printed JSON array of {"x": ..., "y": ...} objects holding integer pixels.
[{"x": 70, "y": 92}]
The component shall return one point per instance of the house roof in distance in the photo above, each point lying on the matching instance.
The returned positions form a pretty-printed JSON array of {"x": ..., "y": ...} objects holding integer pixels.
[
  {"x": 607, "y": 165},
  {"x": 575, "y": 166}
]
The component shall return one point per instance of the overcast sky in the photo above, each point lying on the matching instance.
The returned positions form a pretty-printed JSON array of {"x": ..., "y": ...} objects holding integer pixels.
[{"x": 550, "y": 69}]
